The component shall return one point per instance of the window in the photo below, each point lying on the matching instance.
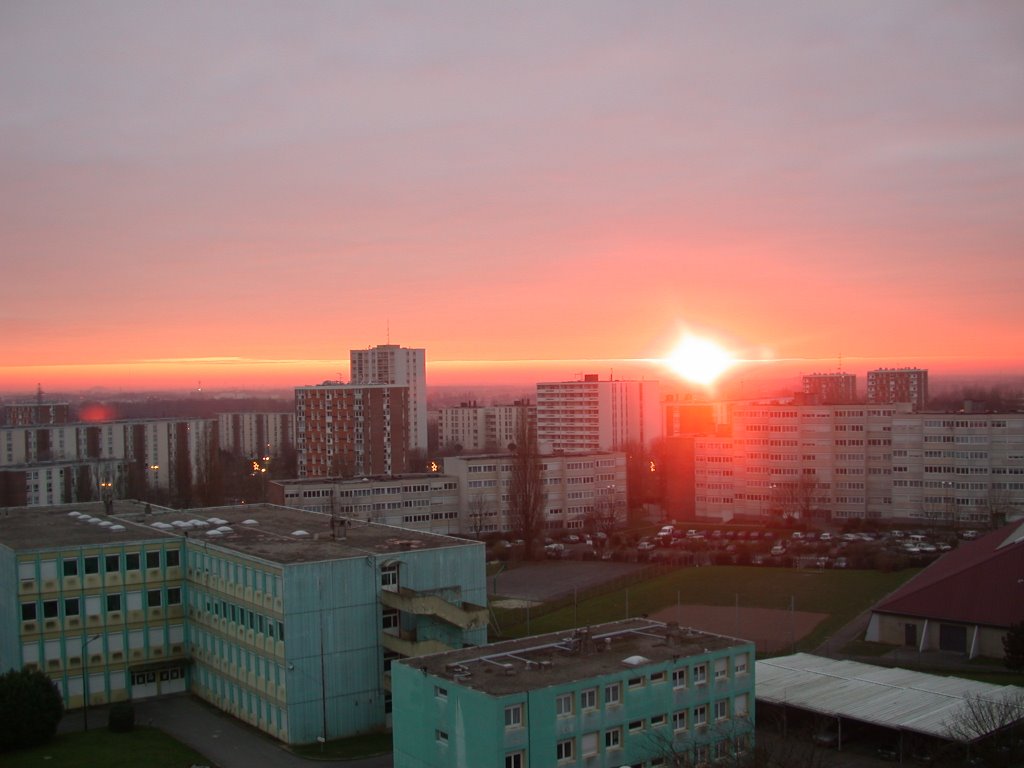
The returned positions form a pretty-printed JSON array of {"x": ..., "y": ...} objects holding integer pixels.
[
  {"x": 514, "y": 716},
  {"x": 721, "y": 669},
  {"x": 739, "y": 705},
  {"x": 563, "y": 705},
  {"x": 153, "y": 559},
  {"x": 92, "y": 564},
  {"x": 721, "y": 709},
  {"x": 112, "y": 563},
  {"x": 700, "y": 715},
  {"x": 28, "y": 611},
  {"x": 440, "y": 693},
  {"x": 613, "y": 739},
  {"x": 173, "y": 558},
  {"x": 613, "y": 694},
  {"x": 131, "y": 561},
  {"x": 389, "y": 578},
  {"x": 679, "y": 678},
  {"x": 700, "y": 674},
  {"x": 71, "y": 607},
  {"x": 657, "y": 677},
  {"x": 174, "y": 596},
  {"x": 740, "y": 664},
  {"x": 636, "y": 725},
  {"x": 564, "y": 750},
  {"x": 721, "y": 750},
  {"x": 441, "y": 736},
  {"x": 50, "y": 609},
  {"x": 113, "y": 602},
  {"x": 588, "y": 699},
  {"x": 636, "y": 682},
  {"x": 588, "y": 744},
  {"x": 514, "y": 760},
  {"x": 71, "y": 566},
  {"x": 679, "y": 720},
  {"x": 389, "y": 619},
  {"x": 658, "y": 720},
  {"x": 153, "y": 598}
]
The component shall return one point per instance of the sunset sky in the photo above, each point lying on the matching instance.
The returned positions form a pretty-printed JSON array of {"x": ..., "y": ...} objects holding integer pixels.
[{"x": 239, "y": 193}]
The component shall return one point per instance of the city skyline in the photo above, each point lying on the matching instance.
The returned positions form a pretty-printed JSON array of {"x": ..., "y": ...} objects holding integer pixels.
[{"x": 236, "y": 196}]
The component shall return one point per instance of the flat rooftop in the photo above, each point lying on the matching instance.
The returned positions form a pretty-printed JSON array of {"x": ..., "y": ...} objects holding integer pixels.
[
  {"x": 514, "y": 666},
  {"x": 279, "y": 534},
  {"x": 68, "y": 525}
]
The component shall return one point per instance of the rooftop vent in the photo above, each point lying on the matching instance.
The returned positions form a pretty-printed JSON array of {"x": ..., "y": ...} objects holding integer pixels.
[
  {"x": 214, "y": 532},
  {"x": 300, "y": 533},
  {"x": 117, "y": 528},
  {"x": 250, "y": 521},
  {"x": 74, "y": 513},
  {"x": 635, "y": 661}
]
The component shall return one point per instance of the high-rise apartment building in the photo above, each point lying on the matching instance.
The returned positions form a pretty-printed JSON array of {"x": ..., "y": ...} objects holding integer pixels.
[
  {"x": 345, "y": 430},
  {"x": 476, "y": 428},
  {"x": 864, "y": 461},
  {"x": 596, "y": 415},
  {"x": 392, "y": 364},
  {"x": 830, "y": 388},
  {"x": 898, "y": 385}
]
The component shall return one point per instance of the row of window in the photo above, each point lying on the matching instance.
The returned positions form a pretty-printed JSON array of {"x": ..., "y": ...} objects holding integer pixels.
[
  {"x": 73, "y": 606},
  {"x": 90, "y": 564}
]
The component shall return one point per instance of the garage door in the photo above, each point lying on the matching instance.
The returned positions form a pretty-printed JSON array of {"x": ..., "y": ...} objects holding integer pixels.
[{"x": 952, "y": 638}]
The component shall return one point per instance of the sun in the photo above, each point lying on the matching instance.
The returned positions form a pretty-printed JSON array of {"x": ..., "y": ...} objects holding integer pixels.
[{"x": 699, "y": 360}]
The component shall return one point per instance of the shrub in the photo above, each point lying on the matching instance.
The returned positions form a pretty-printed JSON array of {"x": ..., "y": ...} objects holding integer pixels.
[{"x": 30, "y": 708}]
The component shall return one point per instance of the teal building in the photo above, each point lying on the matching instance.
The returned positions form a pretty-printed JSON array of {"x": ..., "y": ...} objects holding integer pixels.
[
  {"x": 630, "y": 693},
  {"x": 286, "y": 619}
]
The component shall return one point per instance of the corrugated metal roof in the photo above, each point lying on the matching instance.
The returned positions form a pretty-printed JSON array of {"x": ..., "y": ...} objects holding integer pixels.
[{"x": 889, "y": 697}]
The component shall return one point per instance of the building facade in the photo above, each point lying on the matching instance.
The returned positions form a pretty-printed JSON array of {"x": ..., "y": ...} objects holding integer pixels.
[
  {"x": 864, "y": 461},
  {"x": 288, "y": 620},
  {"x": 140, "y": 458},
  {"x": 423, "y": 502},
  {"x": 349, "y": 430},
  {"x": 257, "y": 435},
  {"x": 582, "y": 491},
  {"x": 634, "y": 692},
  {"x": 830, "y": 388},
  {"x": 482, "y": 428},
  {"x": 596, "y": 415},
  {"x": 392, "y": 364},
  {"x": 898, "y": 385}
]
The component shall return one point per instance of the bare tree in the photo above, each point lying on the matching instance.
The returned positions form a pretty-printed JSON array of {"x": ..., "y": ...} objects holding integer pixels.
[
  {"x": 739, "y": 750},
  {"x": 797, "y": 499},
  {"x": 526, "y": 491},
  {"x": 477, "y": 513},
  {"x": 991, "y": 728}
]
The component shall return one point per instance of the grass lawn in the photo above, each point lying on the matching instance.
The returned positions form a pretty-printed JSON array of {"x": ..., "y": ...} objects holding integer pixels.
[
  {"x": 842, "y": 594},
  {"x": 102, "y": 749}
]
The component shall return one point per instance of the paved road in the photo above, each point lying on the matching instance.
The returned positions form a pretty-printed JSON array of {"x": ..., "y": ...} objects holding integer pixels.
[{"x": 225, "y": 741}]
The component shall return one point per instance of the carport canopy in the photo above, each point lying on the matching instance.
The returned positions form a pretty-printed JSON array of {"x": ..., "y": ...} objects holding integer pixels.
[{"x": 895, "y": 698}]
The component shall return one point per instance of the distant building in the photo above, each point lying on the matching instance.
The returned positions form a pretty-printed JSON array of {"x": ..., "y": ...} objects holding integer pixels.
[
  {"x": 423, "y": 502},
  {"x": 392, "y": 364},
  {"x": 829, "y": 388},
  {"x": 71, "y": 462},
  {"x": 257, "y": 434},
  {"x": 685, "y": 417},
  {"x": 965, "y": 602},
  {"x": 864, "y": 461},
  {"x": 349, "y": 430},
  {"x": 34, "y": 413},
  {"x": 582, "y": 491},
  {"x": 898, "y": 385},
  {"x": 633, "y": 692},
  {"x": 595, "y": 415},
  {"x": 287, "y": 620},
  {"x": 482, "y": 428}
]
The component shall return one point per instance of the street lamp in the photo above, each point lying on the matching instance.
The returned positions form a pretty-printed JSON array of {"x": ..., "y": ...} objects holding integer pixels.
[{"x": 85, "y": 679}]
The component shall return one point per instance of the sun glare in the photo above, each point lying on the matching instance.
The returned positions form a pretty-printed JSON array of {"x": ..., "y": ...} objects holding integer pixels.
[{"x": 699, "y": 360}]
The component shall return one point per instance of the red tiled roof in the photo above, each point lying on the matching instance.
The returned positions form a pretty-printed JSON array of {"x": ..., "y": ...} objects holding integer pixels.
[{"x": 977, "y": 583}]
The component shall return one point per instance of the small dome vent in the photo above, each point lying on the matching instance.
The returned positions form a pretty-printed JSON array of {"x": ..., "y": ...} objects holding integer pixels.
[
  {"x": 250, "y": 521},
  {"x": 117, "y": 528},
  {"x": 300, "y": 533},
  {"x": 214, "y": 532},
  {"x": 74, "y": 513}
]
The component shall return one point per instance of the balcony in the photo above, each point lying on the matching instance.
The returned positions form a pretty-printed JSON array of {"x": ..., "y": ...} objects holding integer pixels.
[
  {"x": 407, "y": 645},
  {"x": 465, "y": 616}
]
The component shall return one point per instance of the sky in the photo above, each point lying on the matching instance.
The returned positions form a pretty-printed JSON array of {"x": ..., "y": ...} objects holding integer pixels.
[{"x": 238, "y": 193}]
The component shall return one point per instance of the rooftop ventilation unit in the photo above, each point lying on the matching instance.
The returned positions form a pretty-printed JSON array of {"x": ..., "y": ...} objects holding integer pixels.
[{"x": 300, "y": 533}]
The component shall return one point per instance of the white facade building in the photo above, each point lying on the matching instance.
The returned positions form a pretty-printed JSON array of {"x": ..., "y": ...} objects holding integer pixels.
[
  {"x": 476, "y": 428},
  {"x": 256, "y": 434},
  {"x": 580, "y": 489},
  {"x": 596, "y": 415},
  {"x": 864, "y": 461},
  {"x": 392, "y": 364}
]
